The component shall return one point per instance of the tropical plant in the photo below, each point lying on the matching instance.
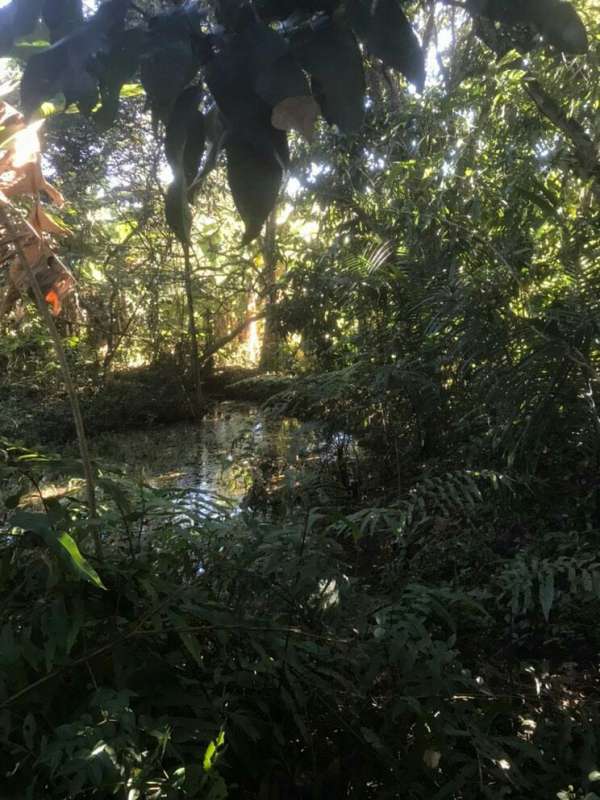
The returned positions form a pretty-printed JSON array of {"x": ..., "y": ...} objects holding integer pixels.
[{"x": 269, "y": 68}]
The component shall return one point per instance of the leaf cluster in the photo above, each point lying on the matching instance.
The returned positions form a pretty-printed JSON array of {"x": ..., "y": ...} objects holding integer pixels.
[
  {"x": 224, "y": 655},
  {"x": 269, "y": 68}
]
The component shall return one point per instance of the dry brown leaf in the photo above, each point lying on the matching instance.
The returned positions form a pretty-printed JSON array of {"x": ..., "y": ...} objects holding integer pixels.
[
  {"x": 21, "y": 174},
  {"x": 9, "y": 114},
  {"x": 296, "y": 113},
  {"x": 51, "y": 190},
  {"x": 34, "y": 250},
  {"x": 56, "y": 282},
  {"x": 24, "y": 144},
  {"x": 28, "y": 180},
  {"x": 44, "y": 223},
  {"x": 54, "y": 279}
]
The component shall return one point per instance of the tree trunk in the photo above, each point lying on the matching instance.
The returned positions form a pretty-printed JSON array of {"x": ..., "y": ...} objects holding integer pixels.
[
  {"x": 269, "y": 353},
  {"x": 193, "y": 333}
]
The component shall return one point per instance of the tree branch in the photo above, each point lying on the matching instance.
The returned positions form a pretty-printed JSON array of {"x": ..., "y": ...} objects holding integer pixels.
[
  {"x": 220, "y": 343},
  {"x": 585, "y": 150}
]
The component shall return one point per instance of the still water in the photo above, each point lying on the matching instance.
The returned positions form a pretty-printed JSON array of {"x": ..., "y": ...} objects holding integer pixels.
[{"x": 216, "y": 459}]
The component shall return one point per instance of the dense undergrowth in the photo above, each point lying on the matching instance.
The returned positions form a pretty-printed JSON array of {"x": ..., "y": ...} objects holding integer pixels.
[
  {"x": 311, "y": 646},
  {"x": 412, "y": 614}
]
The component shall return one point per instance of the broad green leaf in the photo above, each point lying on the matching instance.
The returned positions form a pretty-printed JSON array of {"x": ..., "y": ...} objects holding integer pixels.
[
  {"x": 211, "y": 752},
  {"x": 80, "y": 564},
  {"x": 61, "y": 543},
  {"x": 191, "y": 644}
]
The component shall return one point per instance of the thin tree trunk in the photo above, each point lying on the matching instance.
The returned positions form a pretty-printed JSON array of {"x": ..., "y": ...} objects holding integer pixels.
[
  {"x": 193, "y": 331},
  {"x": 68, "y": 381},
  {"x": 270, "y": 344},
  {"x": 229, "y": 337}
]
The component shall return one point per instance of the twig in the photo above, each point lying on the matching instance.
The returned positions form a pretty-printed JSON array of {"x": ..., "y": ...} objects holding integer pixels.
[
  {"x": 62, "y": 359},
  {"x": 85, "y": 659}
]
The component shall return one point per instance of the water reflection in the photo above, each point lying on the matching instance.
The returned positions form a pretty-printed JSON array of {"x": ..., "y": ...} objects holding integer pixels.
[{"x": 214, "y": 461}]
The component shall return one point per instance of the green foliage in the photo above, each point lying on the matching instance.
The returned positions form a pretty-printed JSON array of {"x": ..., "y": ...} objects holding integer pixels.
[
  {"x": 239, "y": 655},
  {"x": 252, "y": 70},
  {"x": 407, "y": 604}
]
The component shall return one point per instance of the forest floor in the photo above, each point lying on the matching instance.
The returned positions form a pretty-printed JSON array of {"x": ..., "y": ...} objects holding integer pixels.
[{"x": 135, "y": 399}]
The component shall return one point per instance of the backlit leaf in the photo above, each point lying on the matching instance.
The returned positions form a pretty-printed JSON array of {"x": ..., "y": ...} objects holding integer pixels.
[
  {"x": 296, "y": 113},
  {"x": 78, "y": 562},
  {"x": 61, "y": 543}
]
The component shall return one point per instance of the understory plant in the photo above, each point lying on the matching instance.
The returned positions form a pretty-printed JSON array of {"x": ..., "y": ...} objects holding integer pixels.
[{"x": 306, "y": 654}]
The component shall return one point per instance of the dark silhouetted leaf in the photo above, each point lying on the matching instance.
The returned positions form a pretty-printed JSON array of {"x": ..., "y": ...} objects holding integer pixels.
[
  {"x": 186, "y": 124},
  {"x": 115, "y": 68},
  {"x": 271, "y": 10},
  {"x": 17, "y": 19},
  {"x": 7, "y": 38},
  {"x": 172, "y": 58},
  {"x": 563, "y": 29},
  {"x": 387, "y": 34},
  {"x": 253, "y": 72},
  {"x": 65, "y": 67},
  {"x": 282, "y": 79},
  {"x": 177, "y": 210},
  {"x": 230, "y": 12},
  {"x": 265, "y": 56},
  {"x": 214, "y": 127},
  {"x": 557, "y": 21},
  {"x": 25, "y": 14},
  {"x": 259, "y": 48},
  {"x": 61, "y": 17},
  {"x": 254, "y": 181},
  {"x": 506, "y": 11},
  {"x": 246, "y": 115},
  {"x": 332, "y": 58},
  {"x": 184, "y": 146}
]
